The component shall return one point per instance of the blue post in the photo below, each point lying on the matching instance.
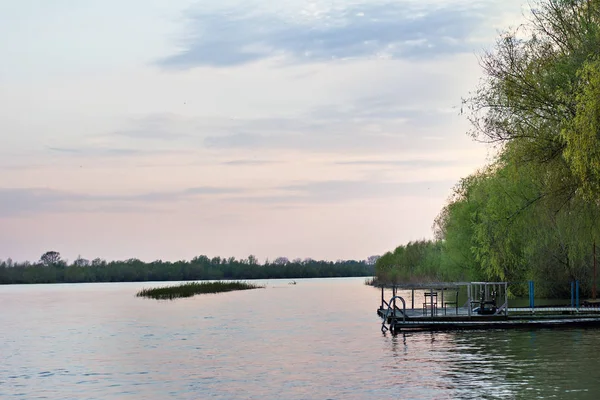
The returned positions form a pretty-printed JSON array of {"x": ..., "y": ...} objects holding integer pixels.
[
  {"x": 531, "y": 292},
  {"x": 577, "y": 294},
  {"x": 572, "y": 293}
]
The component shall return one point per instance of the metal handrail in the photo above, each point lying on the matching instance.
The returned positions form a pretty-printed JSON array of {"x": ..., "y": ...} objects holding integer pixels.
[{"x": 393, "y": 311}]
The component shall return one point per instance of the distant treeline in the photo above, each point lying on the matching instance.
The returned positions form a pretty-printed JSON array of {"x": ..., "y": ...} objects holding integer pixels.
[{"x": 52, "y": 269}]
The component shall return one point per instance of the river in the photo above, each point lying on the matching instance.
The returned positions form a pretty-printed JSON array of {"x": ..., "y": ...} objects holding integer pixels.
[{"x": 319, "y": 339}]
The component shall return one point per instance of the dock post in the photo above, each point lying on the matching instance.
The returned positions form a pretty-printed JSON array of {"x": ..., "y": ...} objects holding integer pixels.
[
  {"x": 506, "y": 298},
  {"x": 531, "y": 295},
  {"x": 469, "y": 298},
  {"x": 572, "y": 294},
  {"x": 577, "y": 294},
  {"x": 382, "y": 299},
  {"x": 431, "y": 297},
  {"x": 486, "y": 292},
  {"x": 594, "y": 286},
  {"x": 412, "y": 299}
]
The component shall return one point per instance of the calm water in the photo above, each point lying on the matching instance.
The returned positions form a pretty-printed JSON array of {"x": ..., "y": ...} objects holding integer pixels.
[{"x": 319, "y": 339}]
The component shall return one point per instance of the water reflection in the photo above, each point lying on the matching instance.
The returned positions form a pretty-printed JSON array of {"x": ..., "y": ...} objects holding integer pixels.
[{"x": 548, "y": 363}]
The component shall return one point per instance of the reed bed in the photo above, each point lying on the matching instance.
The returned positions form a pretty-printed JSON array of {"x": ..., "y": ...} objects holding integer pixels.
[
  {"x": 370, "y": 281},
  {"x": 193, "y": 288}
]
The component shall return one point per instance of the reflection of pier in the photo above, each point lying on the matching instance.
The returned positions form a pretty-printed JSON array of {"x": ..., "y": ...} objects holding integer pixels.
[{"x": 474, "y": 305}]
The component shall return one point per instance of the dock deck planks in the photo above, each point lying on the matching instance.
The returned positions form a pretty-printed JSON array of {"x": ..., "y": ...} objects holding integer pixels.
[{"x": 518, "y": 317}]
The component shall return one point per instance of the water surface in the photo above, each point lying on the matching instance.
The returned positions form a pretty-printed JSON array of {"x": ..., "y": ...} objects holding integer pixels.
[{"x": 319, "y": 339}]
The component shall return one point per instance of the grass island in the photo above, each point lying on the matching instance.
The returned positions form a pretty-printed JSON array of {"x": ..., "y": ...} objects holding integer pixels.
[{"x": 190, "y": 289}]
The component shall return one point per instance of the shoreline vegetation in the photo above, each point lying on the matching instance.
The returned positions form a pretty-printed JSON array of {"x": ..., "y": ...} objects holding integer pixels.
[
  {"x": 190, "y": 289},
  {"x": 51, "y": 268},
  {"x": 532, "y": 213}
]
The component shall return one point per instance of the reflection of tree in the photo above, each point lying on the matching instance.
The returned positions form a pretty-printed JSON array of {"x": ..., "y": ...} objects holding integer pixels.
[
  {"x": 512, "y": 364},
  {"x": 521, "y": 363}
]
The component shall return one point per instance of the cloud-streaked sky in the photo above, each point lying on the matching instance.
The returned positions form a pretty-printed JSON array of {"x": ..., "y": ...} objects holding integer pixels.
[{"x": 168, "y": 129}]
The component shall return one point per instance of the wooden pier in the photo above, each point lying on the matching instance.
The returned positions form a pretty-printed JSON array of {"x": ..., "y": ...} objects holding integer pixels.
[{"x": 486, "y": 307}]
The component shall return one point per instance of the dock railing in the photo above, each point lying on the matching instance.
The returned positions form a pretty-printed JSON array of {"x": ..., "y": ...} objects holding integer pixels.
[{"x": 488, "y": 298}]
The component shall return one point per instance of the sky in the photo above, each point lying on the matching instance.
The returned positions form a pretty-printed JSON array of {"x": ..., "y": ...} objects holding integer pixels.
[{"x": 158, "y": 129}]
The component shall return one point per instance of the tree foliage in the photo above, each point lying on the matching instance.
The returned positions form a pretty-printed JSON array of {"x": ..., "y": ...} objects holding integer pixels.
[
  {"x": 540, "y": 91},
  {"x": 583, "y": 131},
  {"x": 50, "y": 258},
  {"x": 417, "y": 260}
]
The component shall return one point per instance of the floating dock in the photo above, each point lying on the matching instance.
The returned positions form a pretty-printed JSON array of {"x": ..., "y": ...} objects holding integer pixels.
[{"x": 486, "y": 307}]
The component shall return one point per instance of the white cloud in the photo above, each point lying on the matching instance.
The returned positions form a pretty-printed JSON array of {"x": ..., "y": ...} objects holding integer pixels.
[{"x": 368, "y": 29}]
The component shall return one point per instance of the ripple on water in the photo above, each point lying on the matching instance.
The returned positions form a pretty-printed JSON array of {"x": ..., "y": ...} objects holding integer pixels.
[{"x": 318, "y": 339}]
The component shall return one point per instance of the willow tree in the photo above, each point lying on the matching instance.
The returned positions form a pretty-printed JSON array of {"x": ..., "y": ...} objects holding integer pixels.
[
  {"x": 501, "y": 225},
  {"x": 582, "y": 133},
  {"x": 524, "y": 233},
  {"x": 539, "y": 100},
  {"x": 540, "y": 90},
  {"x": 455, "y": 228}
]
